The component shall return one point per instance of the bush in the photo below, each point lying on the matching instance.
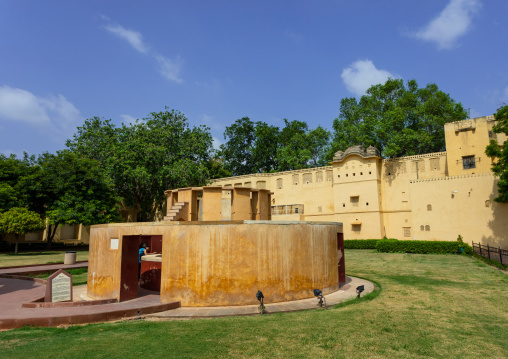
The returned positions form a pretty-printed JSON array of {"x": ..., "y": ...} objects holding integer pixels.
[
  {"x": 465, "y": 248},
  {"x": 360, "y": 243},
  {"x": 420, "y": 247}
]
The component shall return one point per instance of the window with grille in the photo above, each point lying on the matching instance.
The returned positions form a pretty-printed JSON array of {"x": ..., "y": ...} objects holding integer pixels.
[
  {"x": 468, "y": 162},
  {"x": 407, "y": 231}
]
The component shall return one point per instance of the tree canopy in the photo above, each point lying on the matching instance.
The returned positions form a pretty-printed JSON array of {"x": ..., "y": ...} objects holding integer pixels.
[
  {"x": 146, "y": 158},
  {"x": 67, "y": 188},
  {"x": 499, "y": 152},
  {"x": 254, "y": 147},
  {"x": 399, "y": 120},
  {"x": 19, "y": 220}
]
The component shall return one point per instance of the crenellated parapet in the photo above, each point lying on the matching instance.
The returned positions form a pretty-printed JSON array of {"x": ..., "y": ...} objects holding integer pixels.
[{"x": 359, "y": 150}]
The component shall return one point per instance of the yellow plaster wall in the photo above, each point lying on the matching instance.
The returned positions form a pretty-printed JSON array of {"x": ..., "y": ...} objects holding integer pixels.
[
  {"x": 212, "y": 203},
  {"x": 460, "y": 205},
  {"x": 225, "y": 263},
  {"x": 468, "y": 138},
  {"x": 390, "y": 191}
]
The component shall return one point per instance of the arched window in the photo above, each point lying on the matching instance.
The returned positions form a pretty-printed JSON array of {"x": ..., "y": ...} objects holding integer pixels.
[{"x": 427, "y": 227}]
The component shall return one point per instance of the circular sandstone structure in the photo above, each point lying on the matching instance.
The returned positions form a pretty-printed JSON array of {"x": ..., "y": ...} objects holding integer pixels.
[{"x": 223, "y": 263}]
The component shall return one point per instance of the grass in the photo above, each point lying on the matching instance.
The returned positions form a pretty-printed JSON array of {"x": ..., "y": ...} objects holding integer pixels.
[
  {"x": 42, "y": 257},
  {"x": 79, "y": 275},
  {"x": 438, "y": 306}
]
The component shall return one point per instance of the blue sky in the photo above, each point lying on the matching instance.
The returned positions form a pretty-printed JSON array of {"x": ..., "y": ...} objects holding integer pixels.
[{"x": 216, "y": 61}]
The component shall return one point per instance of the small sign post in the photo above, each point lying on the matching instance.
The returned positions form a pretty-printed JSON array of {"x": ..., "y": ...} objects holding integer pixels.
[{"x": 59, "y": 287}]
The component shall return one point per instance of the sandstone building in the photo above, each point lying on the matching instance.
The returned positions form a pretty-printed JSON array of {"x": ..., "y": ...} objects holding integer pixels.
[{"x": 435, "y": 196}]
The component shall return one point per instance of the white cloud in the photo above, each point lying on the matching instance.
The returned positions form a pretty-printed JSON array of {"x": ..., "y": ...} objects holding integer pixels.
[
  {"x": 212, "y": 123},
  {"x": 361, "y": 75},
  {"x": 216, "y": 143},
  {"x": 170, "y": 69},
  {"x": 128, "y": 118},
  {"x": 132, "y": 37},
  {"x": 53, "y": 114},
  {"x": 21, "y": 105},
  {"x": 453, "y": 22}
]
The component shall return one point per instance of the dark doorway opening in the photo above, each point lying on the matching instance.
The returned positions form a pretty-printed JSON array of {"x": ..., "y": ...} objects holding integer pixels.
[
  {"x": 342, "y": 261},
  {"x": 150, "y": 271},
  {"x": 129, "y": 268}
]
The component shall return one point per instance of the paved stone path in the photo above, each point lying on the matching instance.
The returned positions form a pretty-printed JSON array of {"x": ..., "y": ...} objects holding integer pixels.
[
  {"x": 15, "y": 292},
  {"x": 345, "y": 293}
]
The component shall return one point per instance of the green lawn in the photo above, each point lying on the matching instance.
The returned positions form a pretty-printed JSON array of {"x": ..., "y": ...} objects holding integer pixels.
[
  {"x": 430, "y": 306},
  {"x": 79, "y": 275},
  {"x": 37, "y": 257}
]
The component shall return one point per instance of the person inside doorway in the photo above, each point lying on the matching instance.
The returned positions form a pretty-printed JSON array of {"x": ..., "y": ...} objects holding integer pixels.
[{"x": 143, "y": 250}]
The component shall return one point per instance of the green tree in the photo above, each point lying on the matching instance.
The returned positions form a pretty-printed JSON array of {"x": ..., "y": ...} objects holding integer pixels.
[
  {"x": 300, "y": 147},
  {"x": 292, "y": 153},
  {"x": 399, "y": 120},
  {"x": 148, "y": 157},
  {"x": 264, "y": 151},
  {"x": 259, "y": 147},
  {"x": 216, "y": 169},
  {"x": 499, "y": 152},
  {"x": 12, "y": 194},
  {"x": 237, "y": 151},
  {"x": 66, "y": 188},
  {"x": 318, "y": 145},
  {"x": 18, "y": 220}
]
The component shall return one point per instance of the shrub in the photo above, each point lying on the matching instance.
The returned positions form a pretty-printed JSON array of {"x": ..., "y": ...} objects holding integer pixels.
[
  {"x": 421, "y": 247},
  {"x": 465, "y": 248},
  {"x": 360, "y": 243}
]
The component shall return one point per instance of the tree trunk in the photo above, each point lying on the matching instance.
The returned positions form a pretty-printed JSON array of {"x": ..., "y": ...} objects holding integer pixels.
[
  {"x": 51, "y": 235},
  {"x": 16, "y": 245}
]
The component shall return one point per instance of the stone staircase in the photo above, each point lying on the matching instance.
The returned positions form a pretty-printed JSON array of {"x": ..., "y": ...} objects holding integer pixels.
[{"x": 176, "y": 211}]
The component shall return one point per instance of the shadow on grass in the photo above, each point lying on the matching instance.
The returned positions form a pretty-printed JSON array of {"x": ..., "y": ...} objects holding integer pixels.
[{"x": 32, "y": 254}]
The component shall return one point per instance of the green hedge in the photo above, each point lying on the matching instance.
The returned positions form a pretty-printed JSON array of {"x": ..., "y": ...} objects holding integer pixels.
[
  {"x": 364, "y": 243},
  {"x": 391, "y": 245},
  {"x": 360, "y": 243},
  {"x": 421, "y": 247}
]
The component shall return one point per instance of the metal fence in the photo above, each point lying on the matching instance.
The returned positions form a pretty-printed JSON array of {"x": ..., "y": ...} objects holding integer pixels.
[{"x": 496, "y": 254}]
